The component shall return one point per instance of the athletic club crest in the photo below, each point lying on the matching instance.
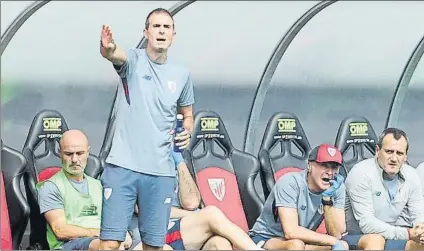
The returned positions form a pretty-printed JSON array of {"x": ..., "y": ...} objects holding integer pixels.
[
  {"x": 217, "y": 187},
  {"x": 331, "y": 151},
  {"x": 172, "y": 86},
  {"x": 107, "y": 192}
]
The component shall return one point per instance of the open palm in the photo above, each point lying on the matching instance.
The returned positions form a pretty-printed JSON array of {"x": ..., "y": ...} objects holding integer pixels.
[{"x": 106, "y": 39}]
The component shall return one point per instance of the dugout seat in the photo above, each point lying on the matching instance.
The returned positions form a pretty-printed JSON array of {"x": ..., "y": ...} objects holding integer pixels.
[
  {"x": 224, "y": 175},
  {"x": 47, "y": 127},
  {"x": 284, "y": 135},
  {"x": 14, "y": 207},
  {"x": 355, "y": 136},
  {"x": 276, "y": 154}
]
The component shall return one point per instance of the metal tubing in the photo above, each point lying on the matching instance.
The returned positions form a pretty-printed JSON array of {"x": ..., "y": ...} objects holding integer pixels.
[
  {"x": 402, "y": 86},
  {"x": 269, "y": 70}
]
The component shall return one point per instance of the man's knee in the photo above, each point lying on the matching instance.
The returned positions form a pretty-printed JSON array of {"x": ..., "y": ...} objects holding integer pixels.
[
  {"x": 213, "y": 214},
  {"x": 371, "y": 242},
  {"x": 217, "y": 243},
  {"x": 213, "y": 211},
  {"x": 412, "y": 245},
  {"x": 345, "y": 245},
  {"x": 109, "y": 245},
  {"x": 295, "y": 244},
  {"x": 94, "y": 244},
  {"x": 213, "y": 217}
]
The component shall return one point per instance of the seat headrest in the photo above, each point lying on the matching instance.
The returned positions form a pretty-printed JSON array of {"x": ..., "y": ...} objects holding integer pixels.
[
  {"x": 285, "y": 126},
  {"x": 48, "y": 125},
  {"x": 208, "y": 126},
  {"x": 356, "y": 131}
]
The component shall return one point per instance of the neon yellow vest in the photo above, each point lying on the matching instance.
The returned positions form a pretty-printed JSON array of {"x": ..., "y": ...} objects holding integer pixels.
[{"x": 80, "y": 209}]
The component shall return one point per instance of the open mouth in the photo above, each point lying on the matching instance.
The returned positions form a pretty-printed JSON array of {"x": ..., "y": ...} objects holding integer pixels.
[
  {"x": 160, "y": 39},
  {"x": 326, "y": 180}
]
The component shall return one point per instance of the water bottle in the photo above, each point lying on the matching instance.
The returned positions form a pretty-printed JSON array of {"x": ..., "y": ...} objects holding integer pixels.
[{"x": 178, "y": 129}]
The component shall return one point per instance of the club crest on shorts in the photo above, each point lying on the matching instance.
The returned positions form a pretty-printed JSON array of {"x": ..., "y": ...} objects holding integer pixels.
[
  {"x": 331, "y": 151},
  {"x": 217, "y": 187},
  {"x": 107, "y": 192},
  {"x": 172, "y": 86}
]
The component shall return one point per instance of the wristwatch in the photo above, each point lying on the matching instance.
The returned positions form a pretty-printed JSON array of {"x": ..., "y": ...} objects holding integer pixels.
[{"x": 327, "y": 201}]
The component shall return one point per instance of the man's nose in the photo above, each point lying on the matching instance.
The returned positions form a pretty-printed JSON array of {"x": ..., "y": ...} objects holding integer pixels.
[
  {"x": 74, "y": 158},
  {"x": 393, "y": 157}
]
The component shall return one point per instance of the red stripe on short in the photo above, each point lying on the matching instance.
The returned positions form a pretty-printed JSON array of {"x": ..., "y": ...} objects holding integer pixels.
[{"x": 174, "y": 236}]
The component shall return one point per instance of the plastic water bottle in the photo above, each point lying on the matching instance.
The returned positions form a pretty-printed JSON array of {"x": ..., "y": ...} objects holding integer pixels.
[{"x": 178, "y": 129}]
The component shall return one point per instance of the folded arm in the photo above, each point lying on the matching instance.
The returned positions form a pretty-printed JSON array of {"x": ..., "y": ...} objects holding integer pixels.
[
  {"x": 292, "y": 230},
  {"x": 63, "y": 231}
]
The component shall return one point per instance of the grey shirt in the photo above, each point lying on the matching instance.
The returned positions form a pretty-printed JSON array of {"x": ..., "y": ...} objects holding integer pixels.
[
  {"x": 142, "y": 140},
  {"x": 292, "y": 191},
  {"x": 369, "y": 208},
  {"x": 50, "y": 198}
]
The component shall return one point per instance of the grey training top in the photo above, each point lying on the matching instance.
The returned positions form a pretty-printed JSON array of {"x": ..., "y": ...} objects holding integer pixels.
[
  {"x": 292, "y": 191},
  {"x": 369, "y": 208},
  {"x": 142, "y": 140}
]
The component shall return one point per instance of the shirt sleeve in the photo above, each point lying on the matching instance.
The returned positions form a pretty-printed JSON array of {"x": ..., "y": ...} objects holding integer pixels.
[
  {"x": 187, "y": 95},
  {"x": 415, "y": 202},
  {"x": 286, "y": 192},
  {"x": 49, "y": 197},
  {"x": 125, "y": 70}
]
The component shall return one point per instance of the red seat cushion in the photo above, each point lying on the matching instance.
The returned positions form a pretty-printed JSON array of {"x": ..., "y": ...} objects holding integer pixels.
[
  {"x": 6, "y": 236},
  {"x": 285, "y": 170},
  {"x": 219, "y": 188},
  {"x": 48, "y": 173}
]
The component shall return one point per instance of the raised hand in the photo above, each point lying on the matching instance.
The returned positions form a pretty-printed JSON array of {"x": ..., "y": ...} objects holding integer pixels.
[
  {"x": 107, "y": 45},
  {"x": 335, "y": 185}
]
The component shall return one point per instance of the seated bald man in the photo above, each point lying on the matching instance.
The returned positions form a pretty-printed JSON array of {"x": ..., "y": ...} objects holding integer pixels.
[{"x": 71, "y": 201}]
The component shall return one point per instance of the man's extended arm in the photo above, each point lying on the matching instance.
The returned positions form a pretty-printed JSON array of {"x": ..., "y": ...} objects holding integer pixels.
[{"x": 108, "y": 48}]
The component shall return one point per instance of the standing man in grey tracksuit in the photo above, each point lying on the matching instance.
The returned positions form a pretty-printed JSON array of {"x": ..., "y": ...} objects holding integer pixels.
[{"x": 139, "y": 166}]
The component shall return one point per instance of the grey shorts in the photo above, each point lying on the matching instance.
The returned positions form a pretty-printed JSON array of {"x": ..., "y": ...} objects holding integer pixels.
[
  {"x": 121, "y": 189},
  {"x": 259, "y": 240},
  {"x": 78, "y": 244}
]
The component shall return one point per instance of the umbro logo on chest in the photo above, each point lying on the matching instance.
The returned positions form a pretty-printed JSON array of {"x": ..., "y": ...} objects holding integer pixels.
[{"x": 147, "y": 77}]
